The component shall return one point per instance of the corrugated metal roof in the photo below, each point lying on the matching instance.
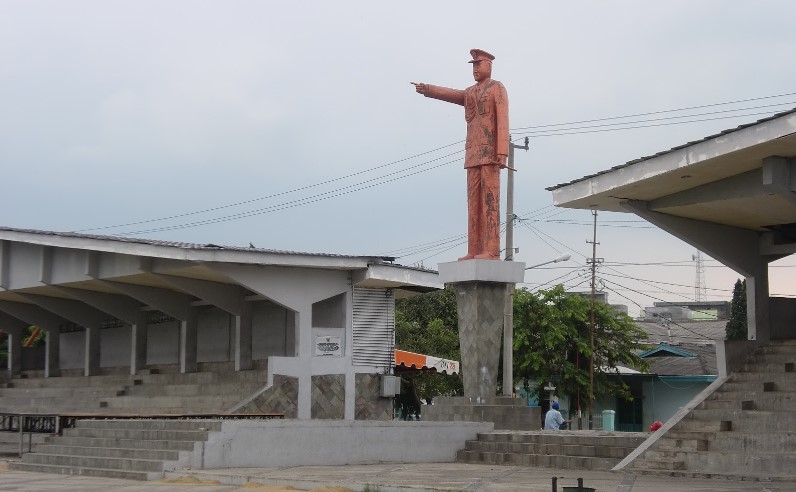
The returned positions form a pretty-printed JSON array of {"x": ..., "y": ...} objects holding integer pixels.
[
  {"x": 673, "y": 149},
  {"x": 684, "y": 331},
  {"x": 189, "y": 246},
  {"x": 703, "y": 363}
]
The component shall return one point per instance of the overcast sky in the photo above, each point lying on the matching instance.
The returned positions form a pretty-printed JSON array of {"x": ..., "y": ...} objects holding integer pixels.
[{"x": 292, "y": 125}]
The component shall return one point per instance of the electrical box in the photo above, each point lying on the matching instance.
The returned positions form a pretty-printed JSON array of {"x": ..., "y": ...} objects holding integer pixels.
[{"x": 390, "y": 386}]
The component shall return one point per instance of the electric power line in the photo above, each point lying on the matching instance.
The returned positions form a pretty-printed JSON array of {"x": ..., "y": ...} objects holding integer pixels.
[
  {"x": 312, "y": 200},
  {"x": 662, "y": 111}
]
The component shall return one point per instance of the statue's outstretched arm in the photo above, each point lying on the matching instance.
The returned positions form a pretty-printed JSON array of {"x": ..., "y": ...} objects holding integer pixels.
[{"x": 455, "y": 96}]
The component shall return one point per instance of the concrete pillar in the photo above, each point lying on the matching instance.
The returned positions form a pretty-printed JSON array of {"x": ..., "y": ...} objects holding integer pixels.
[
  {"x": 480, "y": 300},
  {"x": 138, "y": 345},
  {"x": 303, "y": 320},
  {"x": 52, "y": 357},
  {"x": 291, "y": 334},
  {"x": 91, "y": 365},
  {"x": 188, "y": 338},
  {"x": 757, "y": 305},
  {"x": 243, "y": 338},
  {"x": 14, "y": 350}
]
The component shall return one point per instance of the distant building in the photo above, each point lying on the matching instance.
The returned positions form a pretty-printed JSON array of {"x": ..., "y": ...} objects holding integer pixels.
[
  {"x": 601, "y": 297},
  {"x": 680, "y": 311}
]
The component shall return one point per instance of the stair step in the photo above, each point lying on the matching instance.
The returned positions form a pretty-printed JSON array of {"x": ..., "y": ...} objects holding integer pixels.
[
  {"x": 760, "y": 463},
  {"x": 691, "y": 424},
  {"x": 667, "y": 464},
  {"x": 155, "y": 434},
  {"x": 194, "y": 389},
  {"x": 667, "y": 443},
  {"x": 95, "y": 462},
  {"x": 546, "y": 461},
  {"x": 121, "y": 443},
  {"x": 768, "y": 367},
  {"x": 623, "y": 439},
  {"x": 738, "y": 442},
  {"x": 87, "y": 472},
  {"x": 62, "y": 392},
  {"x": 550, "y": 449},
  {"x": 127, "y": 453},
  {"x": 150, "y": 424}
]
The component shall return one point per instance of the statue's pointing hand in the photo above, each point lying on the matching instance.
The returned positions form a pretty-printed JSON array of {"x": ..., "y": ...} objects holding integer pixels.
[{"x": 420, "y": 87}]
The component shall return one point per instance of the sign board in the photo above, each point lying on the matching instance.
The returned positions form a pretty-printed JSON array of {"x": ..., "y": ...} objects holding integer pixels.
[
  {"x": 328, "y": 346},
  {"x": 443, "y": 365}
]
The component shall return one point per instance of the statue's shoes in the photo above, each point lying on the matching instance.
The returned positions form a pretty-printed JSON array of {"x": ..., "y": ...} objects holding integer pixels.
[{"x": 468, "y": 257}]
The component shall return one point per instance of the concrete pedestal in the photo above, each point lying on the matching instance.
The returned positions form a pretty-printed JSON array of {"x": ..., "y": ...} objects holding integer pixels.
[
  {"x": 480, "y": 295},
  {"x": 505, "y": 412}
]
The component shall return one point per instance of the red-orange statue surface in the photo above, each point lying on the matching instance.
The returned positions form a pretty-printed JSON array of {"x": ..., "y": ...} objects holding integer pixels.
[{"x": 486, "y": 110}]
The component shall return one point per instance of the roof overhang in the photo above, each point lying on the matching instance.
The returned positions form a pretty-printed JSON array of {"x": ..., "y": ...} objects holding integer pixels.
[
  {"x": 744, "y": 177},
  {"x": 37, "y": 267},
  {"x": 398, "y": 277}
]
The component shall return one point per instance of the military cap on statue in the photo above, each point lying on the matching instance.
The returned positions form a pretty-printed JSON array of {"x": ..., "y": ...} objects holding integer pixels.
[{"x": 480, "y": 55}]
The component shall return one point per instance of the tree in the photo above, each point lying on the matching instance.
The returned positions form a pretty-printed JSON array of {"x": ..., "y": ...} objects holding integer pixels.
[
  {"x": 736, "y": 328},
  {"x": 552, "y": 343},
  {"x": 427, "y": 324}
]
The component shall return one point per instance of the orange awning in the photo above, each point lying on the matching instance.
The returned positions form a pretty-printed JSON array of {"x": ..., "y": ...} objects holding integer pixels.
[{"x": 411, "y": 360}]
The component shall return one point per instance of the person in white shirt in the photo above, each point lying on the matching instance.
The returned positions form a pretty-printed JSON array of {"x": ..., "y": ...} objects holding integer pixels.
[{"x": 553, "y": 419}]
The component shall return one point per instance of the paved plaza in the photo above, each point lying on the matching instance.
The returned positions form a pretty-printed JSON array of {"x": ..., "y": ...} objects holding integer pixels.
[{"x": 382, "y": 478}]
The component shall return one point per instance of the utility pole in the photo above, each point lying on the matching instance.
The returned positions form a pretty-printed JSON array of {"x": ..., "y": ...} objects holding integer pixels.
[
  {"x": 593, "y": 260},
  {"x": 508, "y": 307}
]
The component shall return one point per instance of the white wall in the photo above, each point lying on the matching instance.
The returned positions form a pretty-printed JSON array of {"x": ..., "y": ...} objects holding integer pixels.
[
  {"x": 270, "y": 336},
  {"x": 270, "y": 326},
  {"x": 252, "y": 443},
  {"x": 115, "y": 346},
  {"x": 662, "y": 399},
  {"x": 73, "y": 350},
  {"x": 213, "y": 339},
  {"x": 163, "y": 343}
]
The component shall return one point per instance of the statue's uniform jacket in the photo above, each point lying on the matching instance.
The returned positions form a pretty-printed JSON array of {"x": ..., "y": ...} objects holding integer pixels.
[{"x": 486, "y": 110}]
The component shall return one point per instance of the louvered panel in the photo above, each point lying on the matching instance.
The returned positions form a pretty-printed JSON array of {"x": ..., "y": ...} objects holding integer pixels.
[{"x": 374, "y": 327}]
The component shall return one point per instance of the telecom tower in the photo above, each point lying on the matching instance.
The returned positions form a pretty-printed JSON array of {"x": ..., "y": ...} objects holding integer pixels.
[{"x": 700, "y": 291}]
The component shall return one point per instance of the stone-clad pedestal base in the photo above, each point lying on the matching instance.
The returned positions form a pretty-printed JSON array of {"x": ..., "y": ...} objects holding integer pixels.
[
  {"x": 506, "y": 413},
  {"x": 480, "y": 295},
  {"x": 480, "y": 309}
]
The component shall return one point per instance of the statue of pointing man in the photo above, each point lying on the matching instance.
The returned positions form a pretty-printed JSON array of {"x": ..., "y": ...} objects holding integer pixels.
[{"x": 486, "y": 110}]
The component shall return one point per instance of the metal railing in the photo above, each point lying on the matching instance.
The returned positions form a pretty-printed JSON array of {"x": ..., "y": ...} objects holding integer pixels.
[
  {"x": 29, "y": 423},
  {"x": 41, "y": 423}
]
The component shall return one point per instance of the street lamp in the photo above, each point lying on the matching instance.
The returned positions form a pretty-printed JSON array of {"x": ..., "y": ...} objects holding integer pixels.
[
  {"x": 557, "y": 260},
  {"x": 508, "y": 332}
]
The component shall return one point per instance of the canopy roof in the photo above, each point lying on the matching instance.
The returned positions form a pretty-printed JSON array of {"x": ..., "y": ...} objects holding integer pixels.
[
  {"x": 411, "y": 360},
  {"x": 741, "y": 177}
]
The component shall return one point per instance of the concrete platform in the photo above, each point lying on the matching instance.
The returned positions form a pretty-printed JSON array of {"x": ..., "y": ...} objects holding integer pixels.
[{"x": 387, "y": 477}]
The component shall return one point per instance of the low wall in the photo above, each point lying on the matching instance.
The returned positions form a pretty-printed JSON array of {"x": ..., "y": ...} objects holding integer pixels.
[
  {"x": 782, "y": 318},
  {"x": 242, "y": 443}
]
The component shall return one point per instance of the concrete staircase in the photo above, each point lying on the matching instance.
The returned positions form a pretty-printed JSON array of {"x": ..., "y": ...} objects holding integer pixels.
[
  {"x": 745, "y": 429},
  {"x": 156, "y": 390},
  {"x": 582, "y": 450},
  {"x": 130, "y": 449}
]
